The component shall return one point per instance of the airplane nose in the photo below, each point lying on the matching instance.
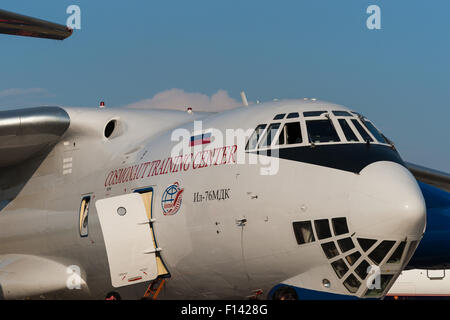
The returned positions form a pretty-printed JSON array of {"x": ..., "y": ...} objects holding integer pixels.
[
  {"x": 386, "y": 220},
  {"x": 386, "y": 203}
]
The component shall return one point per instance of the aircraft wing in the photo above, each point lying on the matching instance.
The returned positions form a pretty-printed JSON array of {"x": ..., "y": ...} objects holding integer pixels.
[
  {"x": 429, "y": 176},
  {"x": 26, "y": 132},
  {"x": 20, "y": 25}
]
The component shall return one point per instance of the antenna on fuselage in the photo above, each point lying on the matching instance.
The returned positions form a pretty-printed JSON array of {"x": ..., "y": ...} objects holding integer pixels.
[{"x": 244, "y": 99}]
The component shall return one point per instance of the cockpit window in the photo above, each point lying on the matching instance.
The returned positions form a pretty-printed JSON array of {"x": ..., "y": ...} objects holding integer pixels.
[
  {"x": 348, "y": 132},
  {"x": 321, "y": 131},
  {"x": 313, "y": 113},
  {"x": 362, "y": 132},
  {"x": 374, "y": 131},
  {"x": 293, "y": 115},
  {"x": 279, "y": 116},
  {"x": 342, "y": 114},
  {"x": 357, "y": 114},
  {"x": 254, "y": 138},
  {"x": 291, "y": 133},
  {"x": 268, "y": 136}
]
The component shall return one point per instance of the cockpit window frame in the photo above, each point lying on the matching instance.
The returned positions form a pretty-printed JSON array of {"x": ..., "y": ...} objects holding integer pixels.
[
  {"x": 314, "y": 113},
  {"x": 366, "y": 123},
  {"x": 279, "y": 116},
  {"x": 357, "y": 120},
  {"x": 333, "y": 126},
  {"x": 255, "y": 147},
  {"x": 352, "y": 130},
  {"x": 285, "y": 125},
  {"x": 273, "y": 135},
  {"x": 334, "y": 116},
  {"x": 341, "y": 113}
]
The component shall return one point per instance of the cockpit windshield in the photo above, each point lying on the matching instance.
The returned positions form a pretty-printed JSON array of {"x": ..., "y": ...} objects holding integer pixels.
[
  {"x": 291, "y": 133},
  {"x": 374, "y": 131},
  {"x": 321, "y": 131},
  {"x": 348, "y": 132},
  {"x": 269, "y": 135},
  {"x": 254, "y": 138},
  {"x": 366, "y": 137},
  {"x": 321, "y": 127}
]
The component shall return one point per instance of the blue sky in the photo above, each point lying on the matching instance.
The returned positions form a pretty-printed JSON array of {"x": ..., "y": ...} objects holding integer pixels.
[{"x": 128, "y": 51}]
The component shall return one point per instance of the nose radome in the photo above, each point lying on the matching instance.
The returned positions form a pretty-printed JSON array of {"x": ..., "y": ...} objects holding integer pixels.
[{"x": 386, "y": 203}]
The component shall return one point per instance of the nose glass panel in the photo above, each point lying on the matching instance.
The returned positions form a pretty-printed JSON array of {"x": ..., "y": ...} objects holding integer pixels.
[{"x": 365, "y": 266}]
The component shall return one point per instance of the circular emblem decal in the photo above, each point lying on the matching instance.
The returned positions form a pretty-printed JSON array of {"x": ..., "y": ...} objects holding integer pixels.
[{"x": 171, "y": 199}]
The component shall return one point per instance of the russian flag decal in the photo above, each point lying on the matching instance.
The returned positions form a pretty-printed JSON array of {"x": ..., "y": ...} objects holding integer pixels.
[{"x": 203, "y": 138}]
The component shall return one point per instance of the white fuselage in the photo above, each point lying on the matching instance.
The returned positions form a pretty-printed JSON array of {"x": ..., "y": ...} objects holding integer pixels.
[{"x": 232, "y": 234}]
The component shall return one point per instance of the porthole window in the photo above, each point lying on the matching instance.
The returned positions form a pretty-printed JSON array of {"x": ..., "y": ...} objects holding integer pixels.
[
  {"x": 83, "y": 216},
  {"x": 121, "y": 211},
  {"x": 303, "y": 232},
  {"x": 109, "y": 128}
]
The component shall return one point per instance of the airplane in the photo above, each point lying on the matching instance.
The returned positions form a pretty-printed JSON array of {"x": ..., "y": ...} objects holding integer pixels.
[{"x": 100, "y": 203}]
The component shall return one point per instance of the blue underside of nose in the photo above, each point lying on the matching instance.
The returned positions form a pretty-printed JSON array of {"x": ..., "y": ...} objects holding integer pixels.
[
  {"x": 307, "y": 294},
  {"x": 434, "y": 249}
]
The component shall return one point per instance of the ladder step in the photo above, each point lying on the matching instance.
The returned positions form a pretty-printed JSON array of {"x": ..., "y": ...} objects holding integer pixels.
[{"x": 154, "y": 288}]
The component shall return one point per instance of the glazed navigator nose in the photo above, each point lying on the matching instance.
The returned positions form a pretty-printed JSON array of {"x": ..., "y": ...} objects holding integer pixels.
[{"x": 387, "y": 203}]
